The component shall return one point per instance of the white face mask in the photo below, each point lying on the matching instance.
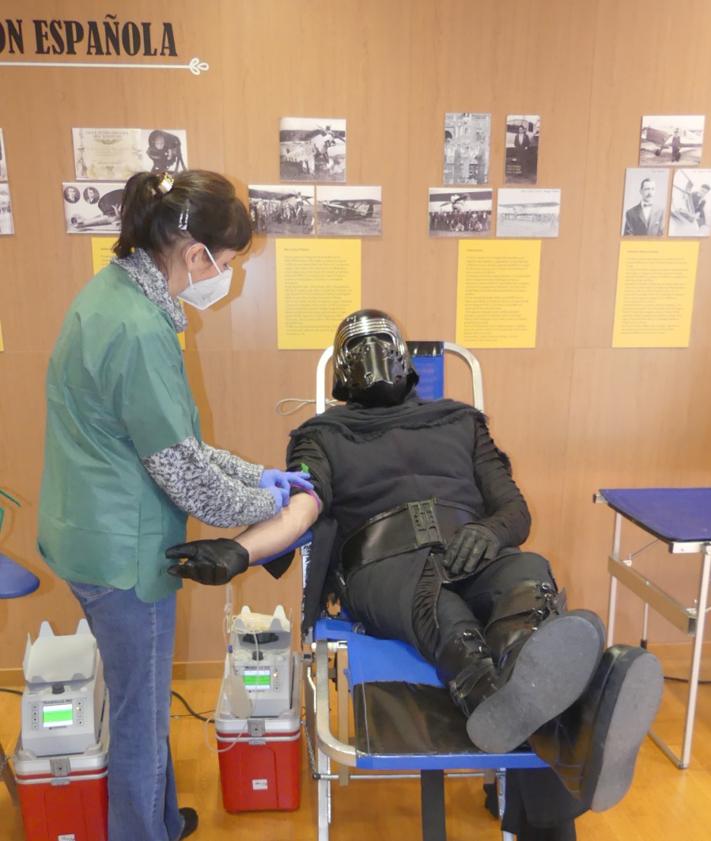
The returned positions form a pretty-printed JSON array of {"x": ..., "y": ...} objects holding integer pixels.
[{"x": 204, "y": 293}]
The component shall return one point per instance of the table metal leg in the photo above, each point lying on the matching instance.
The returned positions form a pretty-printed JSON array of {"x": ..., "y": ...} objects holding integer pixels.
[
  {"x": 645, "y": 626},
  {"x": 432, "y": 795},
  {"x": 696, "y": 658},
  {"x": 612, "y": 603}
]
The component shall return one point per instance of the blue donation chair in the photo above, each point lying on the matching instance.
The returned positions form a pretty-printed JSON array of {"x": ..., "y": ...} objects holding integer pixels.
[
  {"x": 405, "y": 722},
  {"x": 15, "y": 581}
]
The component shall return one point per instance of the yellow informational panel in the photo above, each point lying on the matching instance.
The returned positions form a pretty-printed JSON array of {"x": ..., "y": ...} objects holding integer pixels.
[
  {"x": 101, "y": 253},
  {"x": 2, "y": 345},
  {"x": 497, "y": 293},
  {"x": 655, "y": 294},
  {"x": 318, "y": 284}
]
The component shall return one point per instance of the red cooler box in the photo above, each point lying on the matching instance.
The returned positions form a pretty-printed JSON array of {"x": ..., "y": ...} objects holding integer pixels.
[
  {"x": 260, "y": 759},
  {"x": 64, "y": 798}
]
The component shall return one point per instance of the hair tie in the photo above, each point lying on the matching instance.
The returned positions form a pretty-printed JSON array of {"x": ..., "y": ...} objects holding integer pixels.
[{"x": 165, "y": 185}]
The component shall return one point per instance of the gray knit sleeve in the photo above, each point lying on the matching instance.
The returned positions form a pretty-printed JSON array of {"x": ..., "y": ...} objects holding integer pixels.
[
  {"x": 247, "y": 473},
  {"x": 197, "y": 485}
]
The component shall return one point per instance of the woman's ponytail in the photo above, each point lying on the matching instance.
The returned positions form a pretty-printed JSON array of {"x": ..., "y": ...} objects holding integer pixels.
[{"x": 138, "y": 208}]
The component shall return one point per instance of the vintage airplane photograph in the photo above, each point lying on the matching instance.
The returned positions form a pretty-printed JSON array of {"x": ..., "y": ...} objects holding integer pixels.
[
  {"x": 312, "y": 149},
  {"x": 690, "y": 214},
  {"x": 459, "y": 213},
  {"x": 528, "y": 212},
  {"x": 349, "y": 211},
  {"x": 671, "y": 140},
  {"x": 92, "y": 207},
  {"x": 283, "y": 210}
]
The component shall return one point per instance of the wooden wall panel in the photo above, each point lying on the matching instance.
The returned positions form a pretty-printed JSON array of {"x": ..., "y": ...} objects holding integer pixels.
[{"x": 573, "y": 414}]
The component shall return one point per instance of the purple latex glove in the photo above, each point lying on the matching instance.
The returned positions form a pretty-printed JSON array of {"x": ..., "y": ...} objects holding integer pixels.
[{"x": 281, "y": 481}]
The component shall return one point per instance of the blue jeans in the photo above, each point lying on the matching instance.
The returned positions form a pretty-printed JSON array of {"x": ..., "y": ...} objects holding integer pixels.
[{"x": 136, "y": 640}]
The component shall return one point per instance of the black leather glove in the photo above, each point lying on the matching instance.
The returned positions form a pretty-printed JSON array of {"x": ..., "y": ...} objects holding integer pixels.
[
  {"x": 209, "y": 561},
  {"x": 469, "y": 546}
]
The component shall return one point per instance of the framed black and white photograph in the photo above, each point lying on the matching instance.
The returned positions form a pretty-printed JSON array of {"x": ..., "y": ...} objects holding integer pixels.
[
  {"x": 644, "y": 207},
  {"x": 459, "y": 213},
  {"x": 349, "y": 211},
  {"x": 523, "y": 132},
  {"x": 467, "y": 138},
  {"x": 3, "y": 158},
  {"x": 690, "y": 214},
  {"x": 7, "y": 225},
  {"x": 92, "y": 208},
  {"x": 525, "y": 212},
  {"x": 671, "y": 140},
  {"x": 312, "y": 149},
  {"x": 115, "y": 154},
  {"x": 283, "y": 210}
]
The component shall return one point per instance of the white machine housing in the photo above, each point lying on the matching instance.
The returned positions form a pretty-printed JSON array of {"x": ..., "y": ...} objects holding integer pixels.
[
  {"x": 259, "y": 664},
  {"x": 64, "y": 693}
]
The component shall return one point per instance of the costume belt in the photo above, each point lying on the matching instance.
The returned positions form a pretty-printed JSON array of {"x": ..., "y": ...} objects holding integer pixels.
[{"x": 414, "y": 525}]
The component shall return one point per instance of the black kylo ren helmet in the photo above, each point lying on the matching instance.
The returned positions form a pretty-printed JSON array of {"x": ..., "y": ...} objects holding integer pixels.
[{"x": 371, "y": 362}]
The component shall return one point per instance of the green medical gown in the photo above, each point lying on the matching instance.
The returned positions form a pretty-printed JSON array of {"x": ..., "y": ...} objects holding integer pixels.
[{"x": 116, "y": 394}]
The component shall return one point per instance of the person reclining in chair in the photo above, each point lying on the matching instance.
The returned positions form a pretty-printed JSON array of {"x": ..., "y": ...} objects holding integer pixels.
[{"x": 417, "y": 523}]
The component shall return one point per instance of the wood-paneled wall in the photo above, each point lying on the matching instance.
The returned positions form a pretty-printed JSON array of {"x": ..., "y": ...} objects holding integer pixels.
[{"x": 574, "y": 414}]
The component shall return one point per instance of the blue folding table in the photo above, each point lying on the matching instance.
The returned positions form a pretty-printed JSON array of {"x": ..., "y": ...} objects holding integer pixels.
[{"x": 681, "y": 518}]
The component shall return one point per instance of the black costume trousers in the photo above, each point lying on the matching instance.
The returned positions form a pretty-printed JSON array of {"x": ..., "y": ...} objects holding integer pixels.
[{"x": 429, "y": 611}]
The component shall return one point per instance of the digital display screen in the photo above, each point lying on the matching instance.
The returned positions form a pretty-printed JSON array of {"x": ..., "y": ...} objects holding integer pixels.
[
  {"x": 57, "y": 715},
  {"x": 257, "y": 679}
]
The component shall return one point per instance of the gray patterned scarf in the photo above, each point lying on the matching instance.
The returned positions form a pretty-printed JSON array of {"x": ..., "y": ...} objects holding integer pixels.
[{"x": 145, "y": 274}]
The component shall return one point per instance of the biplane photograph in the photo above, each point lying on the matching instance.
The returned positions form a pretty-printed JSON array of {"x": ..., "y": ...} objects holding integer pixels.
[
  {"x": 349, "y": 211},
  {"x": 460, "y": 212},
  {"x": 528, "y": 213},
  {"x": 671, "y": 140},
  {"x": 466, "y": 148},
  {"x": 283, "y": 210},
  {"x": 312, "y": 149},
  {"x": 690, "y": 214}
]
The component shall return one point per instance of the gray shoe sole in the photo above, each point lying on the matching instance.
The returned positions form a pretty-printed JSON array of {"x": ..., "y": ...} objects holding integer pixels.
[
  {"x": 550, "y": 673},
  {"x": 635, "y": 708}
]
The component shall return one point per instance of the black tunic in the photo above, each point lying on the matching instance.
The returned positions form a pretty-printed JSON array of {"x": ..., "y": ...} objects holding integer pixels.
[{"x": 364, "y": 461}]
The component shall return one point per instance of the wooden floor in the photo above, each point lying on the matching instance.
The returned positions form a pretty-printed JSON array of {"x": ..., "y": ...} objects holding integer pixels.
[{"x": 663, "y": 804}]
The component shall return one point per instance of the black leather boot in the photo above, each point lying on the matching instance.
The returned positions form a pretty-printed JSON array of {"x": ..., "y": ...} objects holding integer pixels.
[
  {"x": 593, "y": 746},
  {"x": 465, "y": 666},
  {"x": 545, "y": 660}
]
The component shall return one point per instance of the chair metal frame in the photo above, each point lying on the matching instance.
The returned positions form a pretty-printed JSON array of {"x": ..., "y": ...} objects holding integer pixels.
[{"x": 331, "y": 755}]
